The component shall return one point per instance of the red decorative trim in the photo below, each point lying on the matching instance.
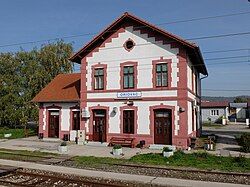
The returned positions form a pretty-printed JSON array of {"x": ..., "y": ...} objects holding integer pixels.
[
  {"x": 182, "y": 93},
  {"x": 41, "y": 109},
  {"x": 161, "y": 61},
  {"x": 90, "y": 133},
  {"x": 151, "y": 117},
  {"x": 83, "y": 93},
  {"x": 93, "y": 67},
  {"x": 135, "y": 108},
  {"x": 125, "y": 46},
  {"x": 107, "y": 40},
  {"x": 124, "y": 64},
  {"x": 141, "y": 89},
  {"x": 134, "y": 89},
  {"x": 47, "y": 120},
  {"x": 141, "y": 99},
  {"x": 139, "y": 22},
  {"x": 53, "y": 107}
]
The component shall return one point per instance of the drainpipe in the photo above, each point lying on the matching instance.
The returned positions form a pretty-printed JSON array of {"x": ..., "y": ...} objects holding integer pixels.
[{"x": 200, "y": 107}]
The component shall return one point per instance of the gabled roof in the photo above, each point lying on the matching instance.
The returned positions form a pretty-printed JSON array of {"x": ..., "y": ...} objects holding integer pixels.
[
  {"x": 63, "y": 88},
  {"x": 214, "y": 104},
  {"x": 126, "y": 18}
]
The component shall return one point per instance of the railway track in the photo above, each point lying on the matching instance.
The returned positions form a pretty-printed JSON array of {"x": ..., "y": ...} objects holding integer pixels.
[{"x": 36, "y": 178}]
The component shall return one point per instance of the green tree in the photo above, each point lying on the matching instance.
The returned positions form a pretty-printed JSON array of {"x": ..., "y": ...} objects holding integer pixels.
[
  {"x": 23, "y": 74},
  {"x": 240, "y": 100}
]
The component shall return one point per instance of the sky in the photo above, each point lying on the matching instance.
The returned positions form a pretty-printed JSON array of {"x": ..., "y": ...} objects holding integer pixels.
[{"x": 32, "y": 20}]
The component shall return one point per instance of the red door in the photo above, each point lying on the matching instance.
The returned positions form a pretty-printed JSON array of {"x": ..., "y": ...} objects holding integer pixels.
[
  {"x": 162, "y": 127},
  {"x": 54, "y": 124},
  {"x": 99, "y": 125}
]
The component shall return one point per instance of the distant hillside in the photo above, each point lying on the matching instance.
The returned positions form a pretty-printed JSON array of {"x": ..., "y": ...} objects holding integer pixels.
[{"x": 230, "y": 99}]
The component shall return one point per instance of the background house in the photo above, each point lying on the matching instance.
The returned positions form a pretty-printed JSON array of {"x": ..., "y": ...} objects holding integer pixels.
[
  {"x": 238, "y": 111},
  {"x": 213, "y": 110}
]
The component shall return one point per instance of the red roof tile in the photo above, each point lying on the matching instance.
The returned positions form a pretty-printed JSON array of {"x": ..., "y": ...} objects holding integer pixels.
[
  {"x": 210, "y": 104},
  {"x": 64, "y": 87}
]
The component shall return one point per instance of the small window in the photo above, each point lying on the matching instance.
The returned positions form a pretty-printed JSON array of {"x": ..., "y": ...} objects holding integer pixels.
[
  {"x": 129, "y": 44},
  {"x": 214, "y": 112},
  {"x": 161, "y": 75},
  {"x": 128, "y": 77},
  {"x": 128, "y": 121},
  {"x": 99, "y": 79}
]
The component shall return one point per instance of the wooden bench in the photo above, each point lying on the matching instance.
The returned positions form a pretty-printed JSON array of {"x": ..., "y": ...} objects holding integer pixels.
[{"x": 122, "y": 141}]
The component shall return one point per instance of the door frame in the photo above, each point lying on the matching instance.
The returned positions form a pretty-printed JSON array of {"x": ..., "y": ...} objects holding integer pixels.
[
  {"x": 164, "y": 137},
  {"x": 49, "y": 108},
  {"x": 72, "y": 110},
  {"x": 90, "y": 131},
  {"x": 152, "y": 116}
]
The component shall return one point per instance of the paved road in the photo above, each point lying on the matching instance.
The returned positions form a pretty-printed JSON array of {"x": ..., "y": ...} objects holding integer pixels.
[
  {"x": 226, "y": 143},
  {"x": 142, "y": 179}
]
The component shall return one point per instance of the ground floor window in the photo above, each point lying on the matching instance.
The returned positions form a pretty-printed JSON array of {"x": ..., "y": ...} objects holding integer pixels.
[
  {"x": 128, "y": 121},
  {"x": 214, "y": 112}
]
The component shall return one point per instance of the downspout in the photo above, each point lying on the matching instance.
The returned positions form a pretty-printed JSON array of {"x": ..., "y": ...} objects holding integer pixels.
[{"x": 200, "y": 105}]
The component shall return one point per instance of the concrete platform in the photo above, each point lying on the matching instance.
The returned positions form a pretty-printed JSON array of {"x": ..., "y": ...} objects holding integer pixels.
[{"x": 142, "y": 179}]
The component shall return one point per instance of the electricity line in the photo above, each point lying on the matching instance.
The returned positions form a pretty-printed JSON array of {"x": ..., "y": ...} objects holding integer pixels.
[
  {"x": 90, "y": 34},
  {"x": 225, "y": 90},
  {"x": 195, "y": 38},
  {"x": 175, "y": 65},
  {"x": 222, "y": 58},
  {"x": 227, "y": 50}
]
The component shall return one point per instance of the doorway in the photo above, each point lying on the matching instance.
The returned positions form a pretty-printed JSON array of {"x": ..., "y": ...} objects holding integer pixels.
[
  {"x": 163, "y": 127},
  {"x": 53, "y": 124},
  {"x": 99, "y": 125},
  {"x": 76, "y": 120}
]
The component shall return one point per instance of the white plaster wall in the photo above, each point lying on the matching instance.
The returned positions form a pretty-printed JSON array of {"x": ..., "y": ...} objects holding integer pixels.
[
  {"x": 143, "y": 115},
  {"x": 189, "y": 74},
  {"x": 168, "y": 93},
  {"x": 65, "y": 114},
  {"x": 144, "y": 52}
]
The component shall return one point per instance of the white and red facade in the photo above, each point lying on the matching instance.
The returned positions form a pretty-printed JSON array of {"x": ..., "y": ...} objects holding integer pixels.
[{"x": 179, "y": 97}]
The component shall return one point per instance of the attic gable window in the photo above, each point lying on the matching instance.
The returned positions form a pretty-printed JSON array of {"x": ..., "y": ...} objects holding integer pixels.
[{"x": 129, "y": 45}]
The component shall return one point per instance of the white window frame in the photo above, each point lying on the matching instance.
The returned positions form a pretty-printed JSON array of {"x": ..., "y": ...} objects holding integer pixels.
[{"x": 214, "y": 112}]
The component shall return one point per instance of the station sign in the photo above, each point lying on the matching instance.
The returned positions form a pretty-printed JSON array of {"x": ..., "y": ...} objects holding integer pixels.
[{"x": 129, "y": 94}]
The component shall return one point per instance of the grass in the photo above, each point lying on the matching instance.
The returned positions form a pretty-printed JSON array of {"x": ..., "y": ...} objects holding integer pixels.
[
  {"x": 215, "y": 125},
  {"x": 200, "y": 160},
  {"x": 96, "y": 161},
  {"x": 16, "y": 133},
  {"x": 24, "y": 155}
]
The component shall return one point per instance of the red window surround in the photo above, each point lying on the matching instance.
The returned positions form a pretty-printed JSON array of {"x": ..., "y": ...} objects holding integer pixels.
[
  {"x": 161, "y": 61},
  {"x": 124, "y": 64},
  {"x": 96, "y": 66}
]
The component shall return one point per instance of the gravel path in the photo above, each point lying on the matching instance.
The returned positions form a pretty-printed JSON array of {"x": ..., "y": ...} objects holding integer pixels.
[{"x": 226, "y": 178}]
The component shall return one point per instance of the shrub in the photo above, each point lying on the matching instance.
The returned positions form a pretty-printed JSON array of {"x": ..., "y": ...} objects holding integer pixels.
[
  {"x": 64, "y": 144},
  {"x": 167, "y": 149},
  {"x": 241, "y": 161},
  {"x": 117, "y": 146},
  {"x": 244, "y": 142}
]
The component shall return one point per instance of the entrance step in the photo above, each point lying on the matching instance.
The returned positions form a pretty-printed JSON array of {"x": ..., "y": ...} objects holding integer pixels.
[
  {"x": 161, "y": 146},
  {"x": 97, "y": 144},
  {"x": 51, "y": 140}
]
